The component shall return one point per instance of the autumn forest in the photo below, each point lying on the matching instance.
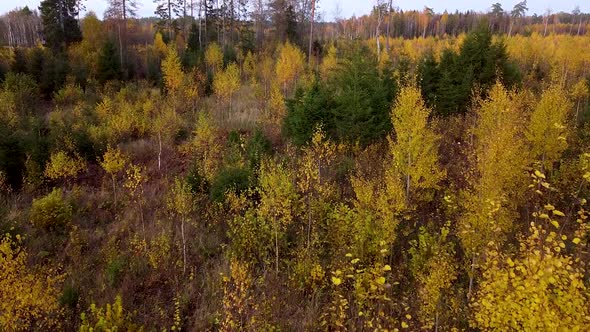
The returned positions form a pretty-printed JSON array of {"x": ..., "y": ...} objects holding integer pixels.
[{"x": 257, "y": 165}]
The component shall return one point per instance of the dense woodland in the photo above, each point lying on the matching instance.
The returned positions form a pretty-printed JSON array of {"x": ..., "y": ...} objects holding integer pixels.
[{"x": 250, "y": 166}]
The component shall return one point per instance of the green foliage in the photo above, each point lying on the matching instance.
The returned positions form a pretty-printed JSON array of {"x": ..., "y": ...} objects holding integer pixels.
[
  {"x": 308, "y": 109},
  {"x": 24, "y": 93},
  {"x": 69, "y": 297},
  {"x": 60, "y": 27},
  {"x": 478, "y": 65},
  {"x": 234, "y": 179},
  {"x": 12, "y": 155},
  {"x": 115, "y": 270},
  {"x": 51, "y": 212},
  {"x": 257, "y": 147},
  {"x": 352, "y": 106},
  {"x": 109, "y": 66}
]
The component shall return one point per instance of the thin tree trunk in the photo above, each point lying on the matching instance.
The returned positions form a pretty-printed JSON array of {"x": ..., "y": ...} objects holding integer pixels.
[
  {"x": 377, "y": 34},
  {"x": 114, "y": 189},
  {"x": 276, "y": 245},
  {"x": 159, "y": 151},
  {"x": 120, "y": 46},
  {"x": 388, "y": 26},
  {"x": 408, "y": 179},
  {"x": 436, "y": 322},
  {"x": 183, "y": 246},
  {"x": 545, "y": 30},
  {"x": 308, "y": 220},
  {"x": 471, "y": 276},
  {"x": 200, "y": 26},
  {"x": 142, "y": 220},
  {"x": 311, "y": 30}
]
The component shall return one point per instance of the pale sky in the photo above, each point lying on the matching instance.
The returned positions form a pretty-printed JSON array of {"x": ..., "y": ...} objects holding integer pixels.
[{"x": 358, "y": 7}]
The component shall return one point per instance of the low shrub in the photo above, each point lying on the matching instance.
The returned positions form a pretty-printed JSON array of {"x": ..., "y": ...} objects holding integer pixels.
[
  {"x": 51, "y": 212},
  {"x": 235, "y": 179}
]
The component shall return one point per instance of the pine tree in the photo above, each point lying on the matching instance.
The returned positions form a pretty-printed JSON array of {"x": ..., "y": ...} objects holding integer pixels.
[
  {"x": 109, "y": 67},
  {"x": 60, "y": 27},
  {"x": 121, "y": 10}
]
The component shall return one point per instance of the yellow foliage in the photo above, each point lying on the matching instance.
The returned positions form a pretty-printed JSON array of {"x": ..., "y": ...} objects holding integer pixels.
[
  {"x": 172, "y": 71},
  {"x": 61, "y": 165},
  {"x": 113, "y": 161},
  {"x": 28, "y": 300},
  {"x": 277, "y": 200},
  {"x": 541, "y": 289},
  {"x": 276, "y": 106},
  {"x": 498, "y": 177},
  {"x": 239, "y": 307},
  {"x": 112, "y": 318},
  {"x": 50, "y": 211},
  {"x": 415, "y": 150},
  {"x": 250, "y": 66},
  {"x": 360, "y": 296},
  {"x": 329, "y": 63},
  {"x": 434, "y": 268},
  {"x": 547, "y": 129},
  {"x": 227, "y": 82},
  {"x": 159, "y": 44},
  {"x": 205, "y": 145},
  {"x": 214, "y": 57},
  {"x": 290, "y": 65}
]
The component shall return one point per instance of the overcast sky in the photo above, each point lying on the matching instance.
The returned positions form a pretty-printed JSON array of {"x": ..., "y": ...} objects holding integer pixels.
[{"x": 358, "y": 7}]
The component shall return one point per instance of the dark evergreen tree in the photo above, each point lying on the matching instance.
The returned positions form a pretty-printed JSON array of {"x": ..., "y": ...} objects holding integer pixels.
[
  {"x": 308, "y": 109},
  {"x": 60, "y": 27},
  {"x": 474, "y": 69},
  {"x": 428, "y": 78},
  {"x": 353, "y": 106},
  {"x": 362, "y": 99},
  {"x": 109, "y": 67},
  {"x": 167, "y": 10},
  {"x": 19, "y": 62},
  {"x": 291, "y": 25},
  {"x": 193, "y": 38}
]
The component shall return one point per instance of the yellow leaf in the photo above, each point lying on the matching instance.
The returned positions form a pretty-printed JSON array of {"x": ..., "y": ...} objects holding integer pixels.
[
  {"x": 336, "y": 281},
  {"x": 510, "y": 262},
  {"x": 381, "y": 280},
  {"x": 387, "y": 268},
  {"x": 576, "y": 240},
  {"x": 555, "y": 223},
  {"x": 405, "y": 325},
  {"x": 558, "y": 213},
  {"x": 549, "y": 207},
  {"x": 408, "y": 316},
  {"x": 539, "y": 174}
]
